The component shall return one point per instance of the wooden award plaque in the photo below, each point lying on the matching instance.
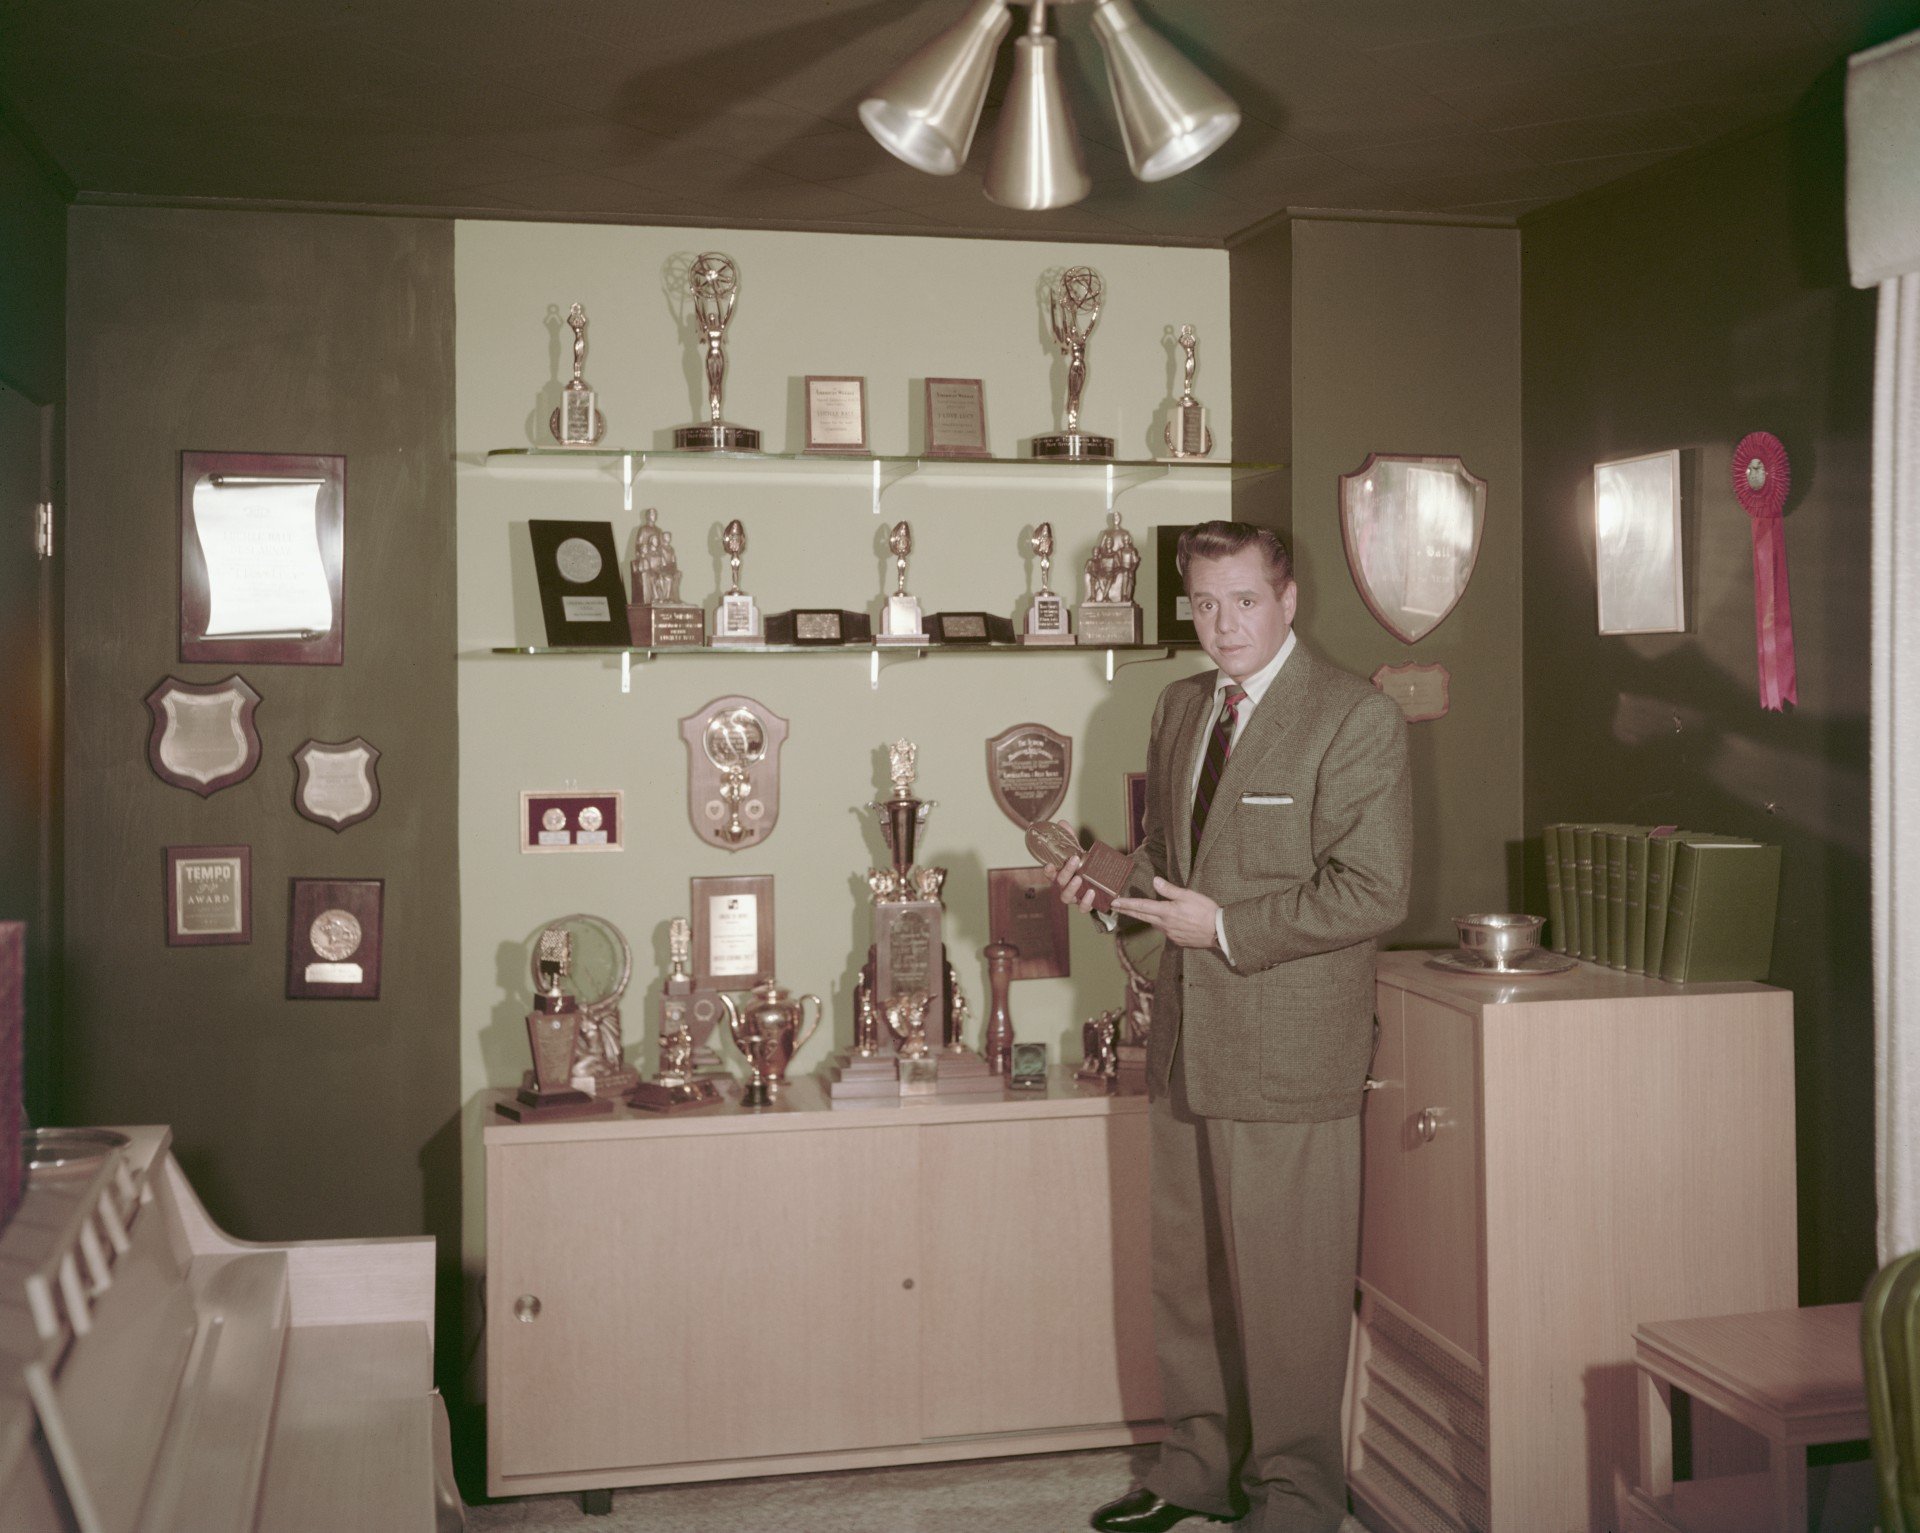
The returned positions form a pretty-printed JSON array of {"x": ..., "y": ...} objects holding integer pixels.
[
  {"x": 1027, "y": 768},
  {"x": 1024, "y": 910},
  {"x": 203, "y": 738},
  {"x": 732, "y": 932},
  {"x": 1104, "y": 869}
]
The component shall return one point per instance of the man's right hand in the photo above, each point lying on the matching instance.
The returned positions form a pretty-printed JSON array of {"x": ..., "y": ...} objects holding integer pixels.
[{"x": 1074, "y": 890}]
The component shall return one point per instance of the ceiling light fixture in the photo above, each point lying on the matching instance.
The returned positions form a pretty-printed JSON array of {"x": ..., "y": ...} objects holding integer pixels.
[{"x": 1171, "y": 115}]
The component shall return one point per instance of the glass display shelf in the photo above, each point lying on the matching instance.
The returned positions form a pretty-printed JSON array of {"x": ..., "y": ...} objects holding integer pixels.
[
  {"x": 1117, "y": 656},
  {"x": 754, "y": 651},
  {"x": 878, "y": 471}
]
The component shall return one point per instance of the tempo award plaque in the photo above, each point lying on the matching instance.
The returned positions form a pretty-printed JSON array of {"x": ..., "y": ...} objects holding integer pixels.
[
  {"x": 1110, "y": 615},
  {"x": 1073, "y": 309},
  {"x": 1047, "y": 618},
  {"x": 900, "y": 619},
  {"x": 1186, "y": 433},
  {"x": 736, "y": 621},
  {"x": 657, "y": 618},
  {"x": 576, "y": 421},
  {"x": 714, "y": 284},
  {"x": 1104, "y": 870},
  {"x": 552, "y": 1031},
  {"x": 677, "y": 1085}
]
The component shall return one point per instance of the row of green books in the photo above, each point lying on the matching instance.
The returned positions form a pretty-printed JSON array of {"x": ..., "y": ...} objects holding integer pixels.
[{"x": 1677, "y": 904}]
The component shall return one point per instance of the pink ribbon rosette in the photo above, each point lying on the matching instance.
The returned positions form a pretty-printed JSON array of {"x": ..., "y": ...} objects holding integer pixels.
[{"x": 1761, "y": 480}]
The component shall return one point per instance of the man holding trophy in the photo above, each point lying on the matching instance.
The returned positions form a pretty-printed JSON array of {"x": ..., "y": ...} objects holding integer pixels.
[{"x": 1277, "y": 851}]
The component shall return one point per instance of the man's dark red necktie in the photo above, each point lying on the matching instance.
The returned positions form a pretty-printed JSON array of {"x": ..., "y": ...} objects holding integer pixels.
[{"x": 1219, "y": 746}]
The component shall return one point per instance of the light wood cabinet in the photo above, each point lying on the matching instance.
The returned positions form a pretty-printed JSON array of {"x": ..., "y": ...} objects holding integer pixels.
[
  {"x": 733, "y": 1293},
  {"x": 1549, "y": 1162}
]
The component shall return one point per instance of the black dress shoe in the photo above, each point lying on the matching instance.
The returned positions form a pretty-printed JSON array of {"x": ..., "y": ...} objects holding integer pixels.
[{"x": 1141, "y": 1511}]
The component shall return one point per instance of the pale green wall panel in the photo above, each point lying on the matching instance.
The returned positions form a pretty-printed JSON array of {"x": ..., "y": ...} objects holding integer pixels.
[{"x": 893, "y": 310}]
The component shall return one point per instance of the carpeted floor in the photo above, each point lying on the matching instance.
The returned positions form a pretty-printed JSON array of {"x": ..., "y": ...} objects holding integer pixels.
[{"x": 1045, "y": 1494}]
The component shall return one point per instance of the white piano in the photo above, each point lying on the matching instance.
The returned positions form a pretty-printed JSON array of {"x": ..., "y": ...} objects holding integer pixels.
[{"x": 158, "y": 1375}]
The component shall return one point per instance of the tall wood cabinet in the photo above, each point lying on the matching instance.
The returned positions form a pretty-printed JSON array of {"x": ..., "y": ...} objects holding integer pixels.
[
  {"x": 733, "y": 1293},
  {"x": 1549, "y": 1162}
]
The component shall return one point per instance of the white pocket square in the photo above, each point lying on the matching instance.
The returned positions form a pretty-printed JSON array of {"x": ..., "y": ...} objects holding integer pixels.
[{"x": 1266, "y": 798}]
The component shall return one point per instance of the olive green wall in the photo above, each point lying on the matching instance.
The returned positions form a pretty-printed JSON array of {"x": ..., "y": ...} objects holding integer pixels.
[
  {"x": 33, "y": 253},
  {"x": 1685, "y": 308},
  {"x": 1406, "y": 339},
  {"x": 266, "y": 333},
  {"x": 1260, "y": 278}
]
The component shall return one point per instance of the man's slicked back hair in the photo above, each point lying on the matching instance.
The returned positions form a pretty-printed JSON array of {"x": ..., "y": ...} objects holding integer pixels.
[{"x": 1222, "y": 540}]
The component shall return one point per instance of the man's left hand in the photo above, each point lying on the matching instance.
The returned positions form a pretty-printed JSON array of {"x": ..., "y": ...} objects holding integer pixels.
[{"x": 1187, "y": 917}]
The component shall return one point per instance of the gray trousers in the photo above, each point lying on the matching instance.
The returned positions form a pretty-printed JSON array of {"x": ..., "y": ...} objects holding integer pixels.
[{"x": 1256, "y": 1231}]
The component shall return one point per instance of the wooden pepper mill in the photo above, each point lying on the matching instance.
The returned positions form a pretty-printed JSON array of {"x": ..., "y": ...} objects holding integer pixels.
[{"x": 997, "y": 1044}]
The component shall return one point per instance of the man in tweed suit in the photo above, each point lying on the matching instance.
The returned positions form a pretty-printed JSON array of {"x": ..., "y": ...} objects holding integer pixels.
[{"x": 1278, "y": 839}]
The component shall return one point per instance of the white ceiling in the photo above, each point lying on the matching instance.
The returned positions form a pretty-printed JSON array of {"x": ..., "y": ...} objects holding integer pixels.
[{"x": 742, "y": 112}]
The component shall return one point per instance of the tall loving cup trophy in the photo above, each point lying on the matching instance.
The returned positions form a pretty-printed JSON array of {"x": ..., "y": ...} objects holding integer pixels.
[
  {"x": 714, "y": 285},
  {"x": 1073, "y": 309}
]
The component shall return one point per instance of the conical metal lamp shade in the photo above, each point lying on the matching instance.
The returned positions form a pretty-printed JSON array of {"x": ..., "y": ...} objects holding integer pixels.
[
  {"x": 926, "y": 110},
  {"x": 1036, "y": 161},
  {"x": 1171, "y": 115}
]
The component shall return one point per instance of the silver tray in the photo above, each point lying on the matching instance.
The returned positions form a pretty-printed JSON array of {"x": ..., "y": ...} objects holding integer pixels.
[{"x": 1539, "y": 961}]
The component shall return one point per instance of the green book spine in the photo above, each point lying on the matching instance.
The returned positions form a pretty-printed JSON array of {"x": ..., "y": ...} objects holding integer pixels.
[
  {"x": 1617, "y": 896},
  {"x": 1637, "y": 847},
  {"x": 1720, "y": 917},
  {"x": 1556, "y": 907},
  {"x": 1660, "y": 850},
  {"x": 1583, "y": 889},
  {"x": 1569, "y": 892},
  {"x": 1602, "y": 906}
]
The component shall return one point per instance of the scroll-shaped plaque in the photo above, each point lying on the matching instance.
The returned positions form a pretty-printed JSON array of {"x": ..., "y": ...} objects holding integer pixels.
[
  {"x": 261, "y": 540},
  {"x": 733, "y": 771},
  {"x": 203, "y": 738},
  {"x": 1027, "y": 767},
  {"x": 1422, "y": 691},
  {"x": 336, "y": 785},
  {"x": 1106, "y": 871}
]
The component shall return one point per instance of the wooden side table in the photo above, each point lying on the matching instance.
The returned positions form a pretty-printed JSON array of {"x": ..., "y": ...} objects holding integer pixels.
[{"x": 1793, "y": 1376}]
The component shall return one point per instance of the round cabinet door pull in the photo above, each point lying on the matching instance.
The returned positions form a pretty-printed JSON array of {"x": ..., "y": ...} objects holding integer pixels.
[
  {"x": 1427, "y": 1124},
  {"x": 526, "y": 1308},
  {"x": 908, "y": 1283}
]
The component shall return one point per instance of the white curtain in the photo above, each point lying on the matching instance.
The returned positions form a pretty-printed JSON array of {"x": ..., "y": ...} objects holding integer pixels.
[{"x": 1883, "y": 243}]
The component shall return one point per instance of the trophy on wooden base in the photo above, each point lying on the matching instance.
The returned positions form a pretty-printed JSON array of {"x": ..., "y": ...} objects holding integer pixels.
[
  {"x": 1104, "y": 870},
  {"x": 714, "y": 285},
  {"x": 576, "y": 421},
  {"x": 552, "y": 1032},
  {"x": 676, "y": 1085},
  {"x": 1110, "y": 615}
]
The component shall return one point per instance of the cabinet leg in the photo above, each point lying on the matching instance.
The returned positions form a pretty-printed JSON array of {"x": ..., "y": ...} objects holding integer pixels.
[
  {"x": 596, "y": 1503},
  {"x": 1656, "y": 1435},
  {"x": 1789, "y": 1467}
]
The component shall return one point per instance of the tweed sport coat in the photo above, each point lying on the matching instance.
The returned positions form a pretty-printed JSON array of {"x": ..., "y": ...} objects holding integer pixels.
[{"x": 1308, "y": 850}]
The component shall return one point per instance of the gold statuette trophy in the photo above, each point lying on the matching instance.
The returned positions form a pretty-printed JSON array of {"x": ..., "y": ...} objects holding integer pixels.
[
  {"x": 714, "y": 285},
  {"x": 736, "y": 621},
  {"x": 1047, "y": 621},
  {"x": 1073, "y": 309},
  {"x": 576, "y": 421},
  {"x": 677, "y": 1085}
]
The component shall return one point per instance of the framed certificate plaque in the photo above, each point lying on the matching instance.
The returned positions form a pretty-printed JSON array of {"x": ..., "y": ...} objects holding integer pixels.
[{"x": 732, "y": 931}]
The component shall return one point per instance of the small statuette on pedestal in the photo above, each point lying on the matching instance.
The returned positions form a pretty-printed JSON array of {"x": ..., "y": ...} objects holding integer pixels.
[
  {"x": 1186, "y": 433},
  {"x": 901, "y": 621},
  {"x": 658, "y": 618},
  {"x": 1110, "y": 615},
  {"x": 1047, "y": 618},
  {"x": 576, "y": 421},
  {"x": 737, "y": 620}
]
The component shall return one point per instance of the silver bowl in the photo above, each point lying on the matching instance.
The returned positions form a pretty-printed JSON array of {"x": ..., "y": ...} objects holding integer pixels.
[
  {"x": 60, "y": 1150},
  {"x": 1498, "y": 941}
]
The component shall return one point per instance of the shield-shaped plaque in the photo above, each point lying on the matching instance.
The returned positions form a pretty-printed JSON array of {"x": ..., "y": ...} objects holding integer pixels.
[
  {"x": 337, "y": 785},
  {"x": 203, "y": 738},
  {"x": 1412, "y": 530},
  {"x": 1027, "y": 768},
  {"x": 733, "y": 771}
]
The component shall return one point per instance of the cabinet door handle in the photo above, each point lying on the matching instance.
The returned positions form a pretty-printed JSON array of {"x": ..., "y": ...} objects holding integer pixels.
[
  {"x": 1372, "y": 1084},
  {"x": 526, "y": 1308},
  {"x": 1427, "y": 1124}
]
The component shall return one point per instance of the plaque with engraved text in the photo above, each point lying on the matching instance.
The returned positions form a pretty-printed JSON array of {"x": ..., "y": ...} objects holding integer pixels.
[{"x": 1027, "y": 767}]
